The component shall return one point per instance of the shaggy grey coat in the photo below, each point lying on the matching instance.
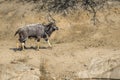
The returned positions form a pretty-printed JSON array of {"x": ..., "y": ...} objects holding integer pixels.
[{"x": 36, "y": 31}]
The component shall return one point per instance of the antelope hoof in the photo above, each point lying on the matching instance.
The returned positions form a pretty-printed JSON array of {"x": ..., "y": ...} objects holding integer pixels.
[
  {"x": 22, "y": 49},
  {"x": 50, "y": 47},
  {"x": 37, "y": 49}
]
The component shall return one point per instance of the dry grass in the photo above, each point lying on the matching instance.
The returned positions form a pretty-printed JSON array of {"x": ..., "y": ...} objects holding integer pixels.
[
  {"x": 72, "y": 42},
  {"x": 73, "y": 27}
]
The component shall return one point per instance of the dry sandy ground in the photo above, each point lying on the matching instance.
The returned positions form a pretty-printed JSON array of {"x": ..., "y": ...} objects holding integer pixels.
[
  {"x": 80, "y": 49},
  {"x": 63, "y": 59}
]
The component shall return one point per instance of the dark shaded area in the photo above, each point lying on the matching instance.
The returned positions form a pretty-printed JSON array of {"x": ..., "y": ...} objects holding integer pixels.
[
  {"x": 68, "y": 6},
  {"x": 28, "y": 48},
  {"x": 65, "y": 6}
]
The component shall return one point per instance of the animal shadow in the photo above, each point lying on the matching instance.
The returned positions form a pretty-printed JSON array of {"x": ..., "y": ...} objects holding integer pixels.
[{"x": 28, "y": 48}]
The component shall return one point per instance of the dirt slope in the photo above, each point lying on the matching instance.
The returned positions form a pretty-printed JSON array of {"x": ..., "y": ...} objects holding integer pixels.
[{"x": 76, "y": 46}]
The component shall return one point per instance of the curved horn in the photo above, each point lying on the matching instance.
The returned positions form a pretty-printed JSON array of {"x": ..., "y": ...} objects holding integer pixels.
[{"x": 50, "y": 18}]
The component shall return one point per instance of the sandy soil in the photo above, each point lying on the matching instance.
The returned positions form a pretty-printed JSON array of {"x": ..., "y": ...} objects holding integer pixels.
[
  {"x": 62, "y": 59},
  {"x": 77, "y": 46}
]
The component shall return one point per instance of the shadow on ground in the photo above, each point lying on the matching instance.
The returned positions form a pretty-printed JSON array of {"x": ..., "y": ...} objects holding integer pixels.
[{"x": 28, "y": 48}]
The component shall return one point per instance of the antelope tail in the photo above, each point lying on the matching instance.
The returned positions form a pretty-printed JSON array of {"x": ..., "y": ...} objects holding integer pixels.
[{"x": 17, "y": 32}]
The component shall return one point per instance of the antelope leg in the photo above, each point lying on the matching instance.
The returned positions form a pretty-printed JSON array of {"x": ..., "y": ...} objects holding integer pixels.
[
  {"x": 23, "y": 46},
  {"x": 49, "y": 43},
  {"x": 17, "y": 45}
]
